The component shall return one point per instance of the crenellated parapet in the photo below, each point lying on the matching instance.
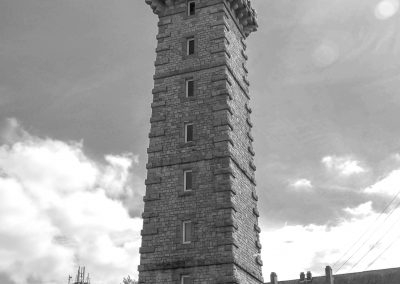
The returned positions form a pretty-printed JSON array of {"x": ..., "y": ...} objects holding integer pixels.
[
  {"x": 245, "y": 14},
  {"x": 158, "y": 6}
]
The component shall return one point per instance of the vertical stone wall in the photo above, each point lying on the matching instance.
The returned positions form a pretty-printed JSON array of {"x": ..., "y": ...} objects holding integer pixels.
[
  {"x": 248, "y": 251},
  {"x": 222, "y": 204}
]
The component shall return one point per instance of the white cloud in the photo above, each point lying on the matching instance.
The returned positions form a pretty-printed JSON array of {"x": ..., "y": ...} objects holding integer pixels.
[
  {"x": 116, "y": 174},
  {"x": 396, "y": 157},
  {"x": 388, "y": 185},
  {"x": 360, "y": 211},
  {"x": 343, "y": 165},
  {"x": 302, "y": 184},
  {"x": 58, "y": 209},
  {"x": 294, "y": 249}
]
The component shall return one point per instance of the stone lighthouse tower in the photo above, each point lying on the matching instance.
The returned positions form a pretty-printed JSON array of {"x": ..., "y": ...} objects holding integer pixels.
[{"x": 200, "y": 220}]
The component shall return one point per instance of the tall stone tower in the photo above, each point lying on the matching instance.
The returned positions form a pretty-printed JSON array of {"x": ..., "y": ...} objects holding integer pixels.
[{"x": 200, "y": 217}]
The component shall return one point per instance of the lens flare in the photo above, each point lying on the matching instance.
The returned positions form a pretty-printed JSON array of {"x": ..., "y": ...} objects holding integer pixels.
[
  {"x": 386, "y": 9},
  {"x": 325, "y": 54}
]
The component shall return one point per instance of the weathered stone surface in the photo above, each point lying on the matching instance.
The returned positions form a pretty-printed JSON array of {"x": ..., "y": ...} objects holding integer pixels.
[
  {"x": 144, "y": 250},
  {"x": 225, "y": 234}
]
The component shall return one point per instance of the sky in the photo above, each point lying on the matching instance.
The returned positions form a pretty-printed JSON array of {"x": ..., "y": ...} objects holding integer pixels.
[{"x": 75, "y": 95}]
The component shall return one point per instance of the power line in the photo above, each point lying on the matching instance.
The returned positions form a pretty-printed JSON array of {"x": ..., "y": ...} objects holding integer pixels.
[
  {"x": 375, "y": 244},
  {"x": 358, "y": 249},
  {"x": 384, "y": 251},
  {"x": 364, "y": 234}
]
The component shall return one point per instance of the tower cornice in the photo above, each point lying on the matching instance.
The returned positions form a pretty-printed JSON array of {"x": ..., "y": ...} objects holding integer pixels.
[{"x": 242, "y": 9}]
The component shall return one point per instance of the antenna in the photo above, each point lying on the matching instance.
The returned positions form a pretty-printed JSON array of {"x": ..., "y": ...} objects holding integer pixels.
[{"x": 81, "y": 276}]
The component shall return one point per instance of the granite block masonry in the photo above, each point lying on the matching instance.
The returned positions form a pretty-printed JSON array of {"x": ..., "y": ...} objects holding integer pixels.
[{"x": 200, "y": 220}]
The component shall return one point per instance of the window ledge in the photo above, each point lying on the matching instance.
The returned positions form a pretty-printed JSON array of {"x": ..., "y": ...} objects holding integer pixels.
[
  {"x": 186, "y": 193},
  {"x": 187, "y": 144}
]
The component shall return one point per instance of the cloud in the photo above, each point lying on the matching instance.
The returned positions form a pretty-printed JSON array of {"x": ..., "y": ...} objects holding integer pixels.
[
  {"x": 368, "y": 238},
  {"x": 312, "y": 247},
  {"x": 302, "y": 184},
  {"x": 388, "y": 185},
  {"x": 59, "y": 209},
  {"x": 116, "y": 174},
  {"x": 121, "y": 184},
  {"x": 343, "y": 165},
  {"x": 361, "y": 210},
  {"x": 11, "y": 131},
  {"x": 396, "y": 157}
]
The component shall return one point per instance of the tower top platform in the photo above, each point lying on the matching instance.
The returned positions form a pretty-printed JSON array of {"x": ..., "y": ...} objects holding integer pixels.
[{"x": 245, "y": 14}]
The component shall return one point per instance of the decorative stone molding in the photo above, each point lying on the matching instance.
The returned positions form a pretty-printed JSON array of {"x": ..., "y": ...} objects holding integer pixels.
[
  {"x": 254, "y": 195},
  {"x": 255, "y": 212},
  {"x": 259, "y": 261},
  {"x": 157, "y": 6},
  {"x": 149, "y": 230},
  {"x": 144, "y": 250},
  {"x": 246, "y": 15},
  {"x": 149, "y": 215},
  {"x": 151, "y": 197}
]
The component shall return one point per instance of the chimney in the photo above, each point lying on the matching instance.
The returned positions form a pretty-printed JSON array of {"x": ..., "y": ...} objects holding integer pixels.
[
  {"x": 274, "y": 278},
  {"x": 328, "y": 275},
  {"x": 302, "y": 276},
  {"x": 309, "y": 275}
]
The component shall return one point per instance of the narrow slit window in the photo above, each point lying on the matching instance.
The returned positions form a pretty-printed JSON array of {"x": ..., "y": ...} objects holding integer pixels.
[
  {"x": 190, "y": 46},
  {"x": 186, "y": 279},
  {"x": 189, "y": 88},
  {"x": 188, "y": 132},
  {"x": 191, "y": 8},
  {"x": 188, "y": 180},
  {"x": 187, "y": 232}
]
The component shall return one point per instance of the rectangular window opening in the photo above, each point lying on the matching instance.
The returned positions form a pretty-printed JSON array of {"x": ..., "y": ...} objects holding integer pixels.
[
  {"x": 189, "y": 88},
  {"x": 188, "y": 180},
  {"x": 188, "y": 132},
  {"x": 186, "y": 279},
  {"x": 191, "y": 8},
  {"x": 187, "y": 232},
  {"x": 190, "y": 46}
]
